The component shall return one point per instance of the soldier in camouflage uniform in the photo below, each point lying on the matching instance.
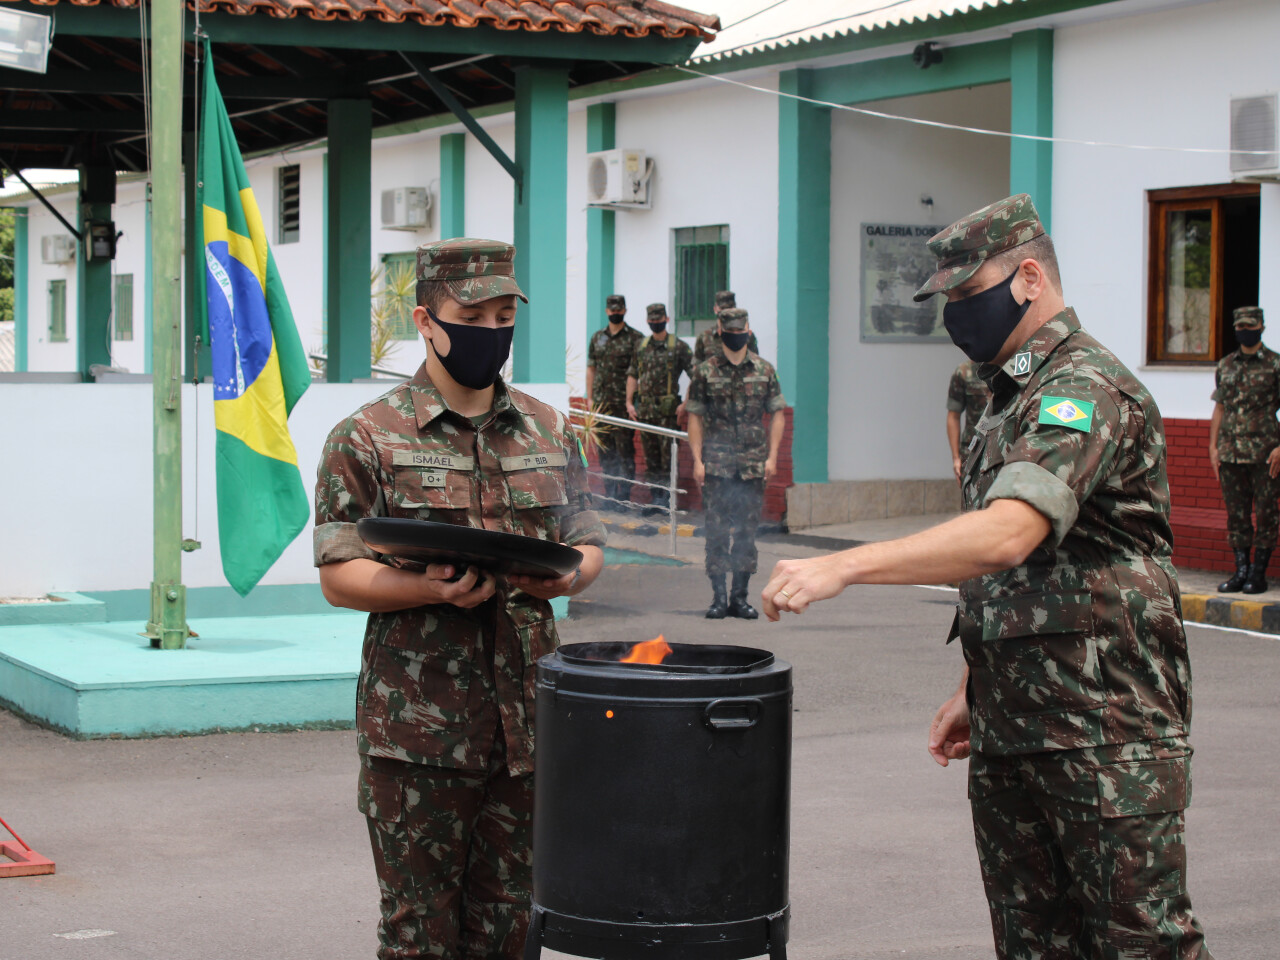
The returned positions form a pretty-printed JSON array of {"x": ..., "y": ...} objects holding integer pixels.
[
  {"x": 967, "y": 394},
  {"x": 1244, "y": 449},
  {"x": 608, "y": 358},
  {"x": 708, "y": 342},
  {"x": 1076, "y": 700},
  {"x": 733, "y": 457},
  {"x": 445, "y": 695},
  {"x": 653, "y": 395}
]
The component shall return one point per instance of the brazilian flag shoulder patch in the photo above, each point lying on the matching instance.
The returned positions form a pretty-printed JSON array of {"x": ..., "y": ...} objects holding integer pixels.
[{"x": 1065, "y": 412}]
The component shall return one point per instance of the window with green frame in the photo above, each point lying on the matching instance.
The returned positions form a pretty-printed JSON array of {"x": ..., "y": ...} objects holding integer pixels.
[
  {"x": 397, "y": 295},
  {"x": 288, "y": 204},
  {"x": 58, "y": 311},
  {"x": 122, "y": 316},
  {"x": 701, "y": 268}
]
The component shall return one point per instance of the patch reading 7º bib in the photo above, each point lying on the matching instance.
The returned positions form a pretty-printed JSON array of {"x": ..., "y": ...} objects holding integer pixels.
[{"x": 1064, "y": 412}]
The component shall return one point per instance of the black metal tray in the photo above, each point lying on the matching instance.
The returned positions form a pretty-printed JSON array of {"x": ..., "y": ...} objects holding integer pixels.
[{"x": 491, "y": 550}]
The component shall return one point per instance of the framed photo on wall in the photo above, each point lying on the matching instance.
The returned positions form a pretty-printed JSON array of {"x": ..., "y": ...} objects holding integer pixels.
[{"x": 895, "y": 262}]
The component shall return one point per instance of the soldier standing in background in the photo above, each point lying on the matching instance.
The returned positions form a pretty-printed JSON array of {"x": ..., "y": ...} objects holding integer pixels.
[
  {"x": 1075, "y": 701},
  {"x": 446, "y": 671},
  {"x": 733, "y": 457},
  {"x": 608, "y": 358},
  {"x": 653, "y": 395},
  {"x": 1244, "y": 449},
  {"x": 708, "y": 342},
  {"x": 967, "y": 394}
]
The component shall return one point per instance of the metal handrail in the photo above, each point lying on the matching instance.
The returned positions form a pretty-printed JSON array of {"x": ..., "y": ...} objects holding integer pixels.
[
  {"x": 383, "y": 370},
  {"x": 631, "y": 424}
]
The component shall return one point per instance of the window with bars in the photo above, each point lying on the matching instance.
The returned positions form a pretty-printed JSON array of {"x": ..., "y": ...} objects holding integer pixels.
[
  {"x": 1204, "y": 244},
  {"x": 288, "y": 203},
  {"x": 701, "y": 268},
  {"x": 58, "y": 311},
  {"x": 122, "y": 316},
  {"x": 394, "y": 302}
]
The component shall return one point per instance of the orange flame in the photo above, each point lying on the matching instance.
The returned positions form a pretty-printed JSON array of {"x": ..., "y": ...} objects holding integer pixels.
[{"x": 648, "y": 651}]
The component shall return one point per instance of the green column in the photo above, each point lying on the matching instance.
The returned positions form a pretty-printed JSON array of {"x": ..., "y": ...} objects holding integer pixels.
[
  {"x": 804, "y": 283},
  {"x": 167, "y": 623},
  {"x": 601, "y": 126},
  {"x": 349, "y": 253},
  {"x": 1031, "y": 111},
  {"x": 93, "y": 277},
  {"x": 194, "y": 265},
  {"x": 148, "y": 348},
  {"x": 453, "y": 185},
  {"x": 20, "y": 280},
  {"x": 541, "y": 221}
]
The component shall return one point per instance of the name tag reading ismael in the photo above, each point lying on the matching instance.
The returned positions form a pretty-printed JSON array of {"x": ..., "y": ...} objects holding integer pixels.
[
  {"x": 532, "y": 461},
  {"x": 431, "y": 461}
]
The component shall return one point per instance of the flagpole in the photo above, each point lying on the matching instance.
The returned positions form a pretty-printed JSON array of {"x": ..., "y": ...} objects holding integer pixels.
[{"x": 167, "y": 626}]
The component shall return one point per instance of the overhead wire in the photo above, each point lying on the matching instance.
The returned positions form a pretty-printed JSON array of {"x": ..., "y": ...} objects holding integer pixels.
[
  {"x": 941, "y": 125},
  {"x": 794, "y": 30}
]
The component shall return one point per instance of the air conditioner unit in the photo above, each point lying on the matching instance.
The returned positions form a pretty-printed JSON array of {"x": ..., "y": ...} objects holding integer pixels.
[
  {"x": 406, "y": 208},
  {"x": 1254, "y": 128},
  {"x": 58, "y": 248},
  {"x": 619, "y": 179}
]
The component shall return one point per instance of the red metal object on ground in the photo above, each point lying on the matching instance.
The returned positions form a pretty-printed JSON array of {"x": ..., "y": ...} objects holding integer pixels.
[{"x": 25, "y": 862}]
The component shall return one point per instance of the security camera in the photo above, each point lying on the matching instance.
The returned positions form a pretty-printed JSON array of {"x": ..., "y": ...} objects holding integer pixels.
[{"x": 926, "y": 55}]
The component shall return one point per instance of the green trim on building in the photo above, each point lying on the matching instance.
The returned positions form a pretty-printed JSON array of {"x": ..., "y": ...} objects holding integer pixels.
[
  {"x": 966, "y": 66},
  {"x": 601, "y": 135},
  {"x": 541, "y": 221},
  {"x": 453, "y": 185},
  {"x": 21, "y": 289},
  {"x": 324, "y": 249},
  {"x": 1031, "y": 111},
  {"x": 93, "y": 293},
  {"x": 349, "y": 254},
  {"x": 804, "y": 281}
]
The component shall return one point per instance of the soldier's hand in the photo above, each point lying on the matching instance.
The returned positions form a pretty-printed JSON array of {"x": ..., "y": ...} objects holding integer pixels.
[
  {"x": 680, "y": 411},
  {"x": 544, "y": 589},
  {"x": 797, "y": 583},
  {"x": 770, "y": 468},
  {"x": 957, "y": 467},
  {"x": 700, "y": 472},
  {"x": 949, "y": 733},
  {"x": 1273, "y": 462},
  {"x": 1214, "y": 460},
  {"x": 473, "y": 589},
  {"x": 631, "y": 412}
]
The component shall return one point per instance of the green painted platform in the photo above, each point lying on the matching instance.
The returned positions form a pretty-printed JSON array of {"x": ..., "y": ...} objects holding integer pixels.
[{"x": 102, "y": 679}]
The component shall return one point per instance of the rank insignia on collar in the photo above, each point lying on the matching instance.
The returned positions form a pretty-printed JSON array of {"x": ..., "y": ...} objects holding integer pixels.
[{"x": 1022, "y": 363}]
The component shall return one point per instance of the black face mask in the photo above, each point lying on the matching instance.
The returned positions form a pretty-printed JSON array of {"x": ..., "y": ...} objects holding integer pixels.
[
  {"x": 616, "y": 317},
  {"x": 476, "y": 354},
  {"x": 979, "y": 325},
  {"x": 1248, "y": 338},
  {"x": 658, "y": 327},
  {"x": 735, "y": 341}
]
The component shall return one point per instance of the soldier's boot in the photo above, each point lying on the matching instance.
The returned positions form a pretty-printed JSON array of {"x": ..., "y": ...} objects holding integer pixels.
[
  {"x": 738, "y": 606},
  {"x": 1237, "y": 579},
  {"x": 719, "y": 602},
  {"x": 1257, "y": 582}
]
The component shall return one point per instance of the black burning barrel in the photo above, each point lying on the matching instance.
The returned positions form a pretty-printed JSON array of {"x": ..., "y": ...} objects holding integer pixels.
[{"x": 662, "y": 804}]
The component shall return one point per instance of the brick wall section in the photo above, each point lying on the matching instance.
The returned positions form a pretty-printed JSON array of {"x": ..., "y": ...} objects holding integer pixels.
[
  {"x": 1199, "y": 515},
  {"x": 775, "y": 494}
]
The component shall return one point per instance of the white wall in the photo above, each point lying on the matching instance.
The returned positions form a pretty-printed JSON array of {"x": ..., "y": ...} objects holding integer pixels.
[
  {"x": 888, "y": 400},
  {"x": 84, "y": 521},
  {"x": 42, "y": 353},
  {"x": 1164, "y": 79}
]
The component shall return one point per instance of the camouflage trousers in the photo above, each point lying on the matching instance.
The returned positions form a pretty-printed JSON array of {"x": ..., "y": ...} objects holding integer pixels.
[
  {"x": 732, "y": 507},
  {"x": 657, "y": 456},
  {"x": 1082, "y": 852},
  {"x": 452, "y": 850},
  {"x": 1248, "y": 489},
  {"x": 617, "y": 455}
]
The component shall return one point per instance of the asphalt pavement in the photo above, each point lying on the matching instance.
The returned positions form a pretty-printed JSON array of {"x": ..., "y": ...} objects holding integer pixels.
[{"x": 248, "y": 846}]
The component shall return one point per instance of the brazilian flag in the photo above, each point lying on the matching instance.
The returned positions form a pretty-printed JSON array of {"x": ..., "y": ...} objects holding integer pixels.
[{"x": 259, "y": 366}]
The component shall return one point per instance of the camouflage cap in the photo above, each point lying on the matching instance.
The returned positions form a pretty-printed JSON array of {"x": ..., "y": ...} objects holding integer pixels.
[
  {"x": 725, "y": 298},
  {"x": 1246, "y": 316},
  {"x": 472, "y": 270},
  {"x": 615, "y": 301},
  {"x": 733, "y": 318},
  {"x": 967, "y": 244},
  {"x": 656, "y": 310}
]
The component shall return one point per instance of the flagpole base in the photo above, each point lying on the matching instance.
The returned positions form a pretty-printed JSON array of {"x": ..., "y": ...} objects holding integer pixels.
[{"x": 167, "y": 629}]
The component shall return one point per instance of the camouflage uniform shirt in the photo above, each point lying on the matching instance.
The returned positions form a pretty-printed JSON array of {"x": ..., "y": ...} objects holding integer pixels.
[
  {"x": 1082, "y": 644},
  {"x": 732, "y": 402},
  {"x": 611, "y": 355},
  {"x": 967, "y": 394},
  {"x": 657, "y": 365},
  {"x": 709, "y": 344},
  {"x": 1248, "y": 387},
  {"x": 438, "y": 683}
]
